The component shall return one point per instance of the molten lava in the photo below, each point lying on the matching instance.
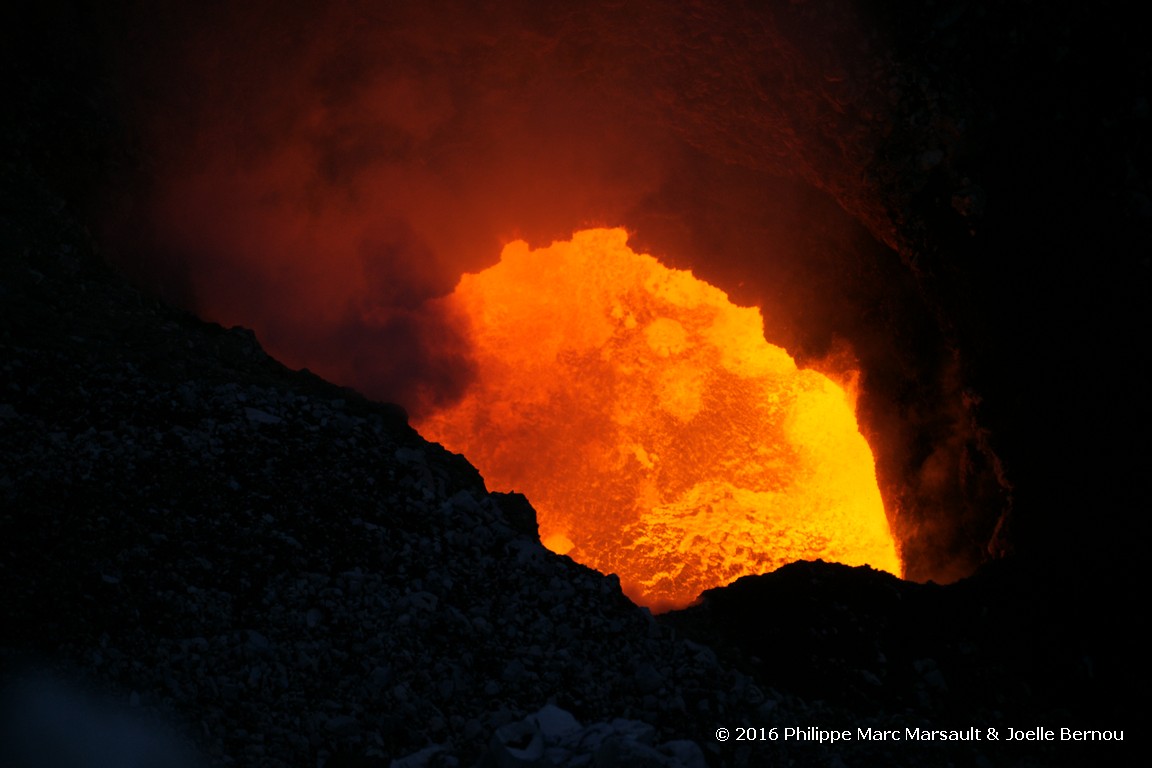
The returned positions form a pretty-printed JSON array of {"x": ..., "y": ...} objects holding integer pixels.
[{"x": 655, "y": 431}]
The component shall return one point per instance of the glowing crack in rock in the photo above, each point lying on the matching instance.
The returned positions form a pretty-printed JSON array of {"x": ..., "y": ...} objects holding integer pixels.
[{"x": 656, "y": 432}]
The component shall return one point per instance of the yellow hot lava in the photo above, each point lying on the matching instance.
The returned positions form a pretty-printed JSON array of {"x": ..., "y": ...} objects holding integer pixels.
[{"x": 655, "y": 431}]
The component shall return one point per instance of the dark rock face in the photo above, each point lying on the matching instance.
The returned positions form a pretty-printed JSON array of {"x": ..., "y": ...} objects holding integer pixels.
[{"x": 865, "y": 639}]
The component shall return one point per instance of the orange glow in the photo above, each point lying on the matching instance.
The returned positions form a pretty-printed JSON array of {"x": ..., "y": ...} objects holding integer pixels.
[{"x": 656, "y": 432}]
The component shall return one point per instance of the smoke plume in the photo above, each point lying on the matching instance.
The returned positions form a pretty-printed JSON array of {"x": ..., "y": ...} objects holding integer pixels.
[{"x": 319, "y": 172}]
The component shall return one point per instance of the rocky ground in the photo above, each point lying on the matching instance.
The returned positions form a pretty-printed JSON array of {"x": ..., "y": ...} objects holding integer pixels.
[
  {"x": 286, "y": 574},
  {"x": 208, "y": 559},
  {"x": 289, "y": 568}
]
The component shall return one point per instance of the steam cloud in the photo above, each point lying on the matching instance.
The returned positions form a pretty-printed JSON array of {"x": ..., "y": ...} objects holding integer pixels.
[{"x": 319, "y": 172}]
